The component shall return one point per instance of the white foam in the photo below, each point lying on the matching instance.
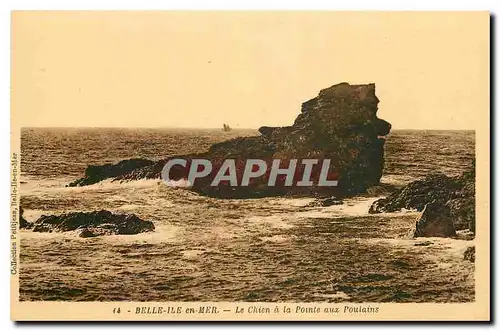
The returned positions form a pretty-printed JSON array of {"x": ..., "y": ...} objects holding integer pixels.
[
  {"x": 277, "y": 238},
  {"x": 162, "y": 233},
  {"x": 293, "y": 202},
  {"x": 277, "y": 221},
  {"x": 181, "y": 183},
  {"x": 337, "y": 295}
]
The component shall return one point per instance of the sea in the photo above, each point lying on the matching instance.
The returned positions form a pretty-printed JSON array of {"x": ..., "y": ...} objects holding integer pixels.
[{"x": 251, "y": 250}]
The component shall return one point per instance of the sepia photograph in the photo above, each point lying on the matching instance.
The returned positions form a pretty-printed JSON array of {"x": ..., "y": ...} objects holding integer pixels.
[{"x": 258, "y": 165}]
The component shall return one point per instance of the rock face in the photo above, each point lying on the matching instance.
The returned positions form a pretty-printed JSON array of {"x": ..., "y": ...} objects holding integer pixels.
[
  {"x": 443, "y": 199},
  {"x": 435, "y": 221},
  {"x": 339, "y": 124},
  {"x": 91, "y": 224}
]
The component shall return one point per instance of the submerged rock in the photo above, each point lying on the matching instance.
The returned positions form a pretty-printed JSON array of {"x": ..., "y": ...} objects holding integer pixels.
[
  {"x": 91, "y": 224},
  {"x": 340, "y": 124},
  {"x": 450, "y": 199},
  {"x": 435, "y": 221},
  {"x": 86, "y": 233},
  {"x": 326, "y": 202}
]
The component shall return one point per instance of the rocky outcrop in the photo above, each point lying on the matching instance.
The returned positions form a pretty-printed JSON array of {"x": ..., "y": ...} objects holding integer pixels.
[
  {"x": 416, "y": 195},
  {"x": 326, "y": 202},
  {"x": 470, "y": 254},
  {"x": 91, "y": 224},
  {"x": 463, "y": 202},
  {"x": 434, "y": 221},
  {"x": 97, "y": 173},
  {"x": 442, "y": 199},
  {"x": 340, "y": 124},
  {"x": 23, "y": 223}
]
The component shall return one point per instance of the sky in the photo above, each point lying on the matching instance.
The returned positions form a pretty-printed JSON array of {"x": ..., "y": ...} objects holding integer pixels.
[{"x": 246, "y": 69}]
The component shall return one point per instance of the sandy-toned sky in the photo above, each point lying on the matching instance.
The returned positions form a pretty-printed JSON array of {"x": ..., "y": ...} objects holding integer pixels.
[{"x": 195, "y": 69}]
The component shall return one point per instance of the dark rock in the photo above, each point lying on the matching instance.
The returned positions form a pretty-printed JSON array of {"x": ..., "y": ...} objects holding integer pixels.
[
  {"x": 340, "y": 124},
  {"x": 382, "y": 189},
  {"x": 97, "y": 173},
  {"x": 326, "y": 202},
  {"x": 454, "y": 196},
  {"x": 23, "y": 223},
  {"x": 267, "y": 131},
  {"x": 425, "y": 243},
  {"x": 435, "y": 221},
  {"x": 463, "y": 202},
  {"x": 94, "y": 223},
  {"x": 86, "y": 233},
  {"x": 470, "y": 254},
  {"x": 417, "y": 194}
]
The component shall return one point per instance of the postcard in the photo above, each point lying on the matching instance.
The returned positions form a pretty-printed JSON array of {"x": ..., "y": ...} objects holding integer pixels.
[{"x": 250, "y": 166}]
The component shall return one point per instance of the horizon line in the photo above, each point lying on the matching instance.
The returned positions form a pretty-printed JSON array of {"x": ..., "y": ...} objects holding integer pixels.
[{"x": 210, "y": 128}]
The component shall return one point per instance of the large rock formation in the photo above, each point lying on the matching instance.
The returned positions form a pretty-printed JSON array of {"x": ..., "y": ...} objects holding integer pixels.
[
  {"x": 443, "y": 199},
  {"x": 91, "y": 224},
  {"x": 340, "y": 124}
]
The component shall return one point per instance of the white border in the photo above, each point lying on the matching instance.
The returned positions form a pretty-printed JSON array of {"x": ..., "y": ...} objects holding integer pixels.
[
  {"x": 7, "y": 5},
  {"x": 254, "y": 5}
]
